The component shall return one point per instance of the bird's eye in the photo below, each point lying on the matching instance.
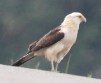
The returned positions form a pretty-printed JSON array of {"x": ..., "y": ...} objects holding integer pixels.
[{"x": 80, "y": 17}]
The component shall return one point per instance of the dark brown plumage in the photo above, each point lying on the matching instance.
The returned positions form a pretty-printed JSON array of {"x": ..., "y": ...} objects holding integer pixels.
[{"x": 47, "y": 40}]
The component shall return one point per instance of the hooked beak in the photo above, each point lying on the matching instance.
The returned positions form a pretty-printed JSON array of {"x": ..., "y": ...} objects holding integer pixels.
[{"x": 84, "y": 19}]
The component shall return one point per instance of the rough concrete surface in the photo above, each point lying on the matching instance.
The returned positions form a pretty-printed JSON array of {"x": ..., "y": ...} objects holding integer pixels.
[{"x": 10, "y": 74}]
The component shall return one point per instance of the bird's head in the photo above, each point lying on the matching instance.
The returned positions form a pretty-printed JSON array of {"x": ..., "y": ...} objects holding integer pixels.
[{"x": 75, "y": 17}]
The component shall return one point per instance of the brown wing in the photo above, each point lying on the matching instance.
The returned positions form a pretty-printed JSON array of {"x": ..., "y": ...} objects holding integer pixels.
[
  {"x": 49, "y": 39},
  {"x": 31, "y": 46}
]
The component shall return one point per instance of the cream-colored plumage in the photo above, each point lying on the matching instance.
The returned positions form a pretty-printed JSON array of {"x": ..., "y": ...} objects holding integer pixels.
[
  {"x": 69, "y": 27},
  {"x": 57, "y": 43}
]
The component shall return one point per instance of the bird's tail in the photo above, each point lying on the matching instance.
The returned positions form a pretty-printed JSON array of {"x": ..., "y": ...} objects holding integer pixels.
[{"x": 23, "y": 59}]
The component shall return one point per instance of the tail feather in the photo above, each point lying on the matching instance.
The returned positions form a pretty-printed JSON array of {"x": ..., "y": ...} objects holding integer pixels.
[{"x": 23, "y": 59}]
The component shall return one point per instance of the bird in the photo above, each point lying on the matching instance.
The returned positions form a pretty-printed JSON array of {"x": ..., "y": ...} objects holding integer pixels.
[{"x": 56, "y": 44}]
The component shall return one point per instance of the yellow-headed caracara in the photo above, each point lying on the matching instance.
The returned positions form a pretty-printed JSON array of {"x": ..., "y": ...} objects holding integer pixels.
[{"x": 57, "y": 42}]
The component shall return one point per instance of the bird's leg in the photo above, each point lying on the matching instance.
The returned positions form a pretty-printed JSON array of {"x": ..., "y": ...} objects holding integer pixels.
[
  {"x": 52, "y": 65},
  {"x": 56, "y": 67}
]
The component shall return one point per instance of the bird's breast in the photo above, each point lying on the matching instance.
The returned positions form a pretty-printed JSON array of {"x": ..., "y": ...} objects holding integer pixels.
[{"x": 70, "y": 37}]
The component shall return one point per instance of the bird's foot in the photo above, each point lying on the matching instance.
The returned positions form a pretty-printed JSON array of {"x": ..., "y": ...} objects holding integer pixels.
[{"x": 55, "y": 71}]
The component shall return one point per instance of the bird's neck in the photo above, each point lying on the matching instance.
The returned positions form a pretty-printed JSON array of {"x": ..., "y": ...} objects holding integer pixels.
[{"x": 70, "y": 24}]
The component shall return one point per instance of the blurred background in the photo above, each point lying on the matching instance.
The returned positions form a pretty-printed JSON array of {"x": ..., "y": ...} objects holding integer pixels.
[{"x": 24, "y": 21}]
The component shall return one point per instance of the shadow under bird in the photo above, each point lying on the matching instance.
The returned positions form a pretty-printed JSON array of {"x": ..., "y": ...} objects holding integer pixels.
[{"x": 56, "y": 43}]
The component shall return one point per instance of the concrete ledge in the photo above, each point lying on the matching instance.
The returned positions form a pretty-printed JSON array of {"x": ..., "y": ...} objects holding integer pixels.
[{"x": 9, "y": 74}]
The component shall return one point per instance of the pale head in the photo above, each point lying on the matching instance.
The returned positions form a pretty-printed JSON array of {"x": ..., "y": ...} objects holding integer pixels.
[{"x": 75, "y": 17}]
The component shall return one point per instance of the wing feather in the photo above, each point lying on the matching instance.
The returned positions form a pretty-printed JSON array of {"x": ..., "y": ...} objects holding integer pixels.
[{"x": 47, "y": 40}]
